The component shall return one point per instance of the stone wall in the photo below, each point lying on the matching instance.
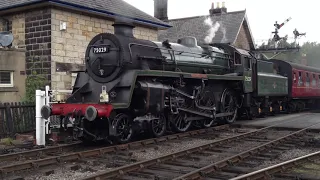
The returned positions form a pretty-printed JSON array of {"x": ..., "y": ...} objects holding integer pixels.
[
  {"x": 38, "y": 42},
  {"x": 242, "y": 39},
  {"x": 33, "y": 30},
  {"x": 17, "y": 27},
  {"x": 68, "y": 46},
  {"x": 13, "y": 60}
]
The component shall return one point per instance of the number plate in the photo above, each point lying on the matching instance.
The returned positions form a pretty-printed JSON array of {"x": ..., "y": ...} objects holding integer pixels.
[{"x": 98, "y": 50}]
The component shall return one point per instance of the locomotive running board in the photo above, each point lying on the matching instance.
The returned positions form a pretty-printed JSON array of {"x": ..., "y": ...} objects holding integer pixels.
[{"x": 204, "y": 114}]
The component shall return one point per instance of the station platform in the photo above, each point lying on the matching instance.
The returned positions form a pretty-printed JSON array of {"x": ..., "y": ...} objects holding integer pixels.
[{"x": 291, "y": 121}]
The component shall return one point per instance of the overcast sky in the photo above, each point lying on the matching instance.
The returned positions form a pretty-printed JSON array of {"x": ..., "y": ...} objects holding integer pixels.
[{"x": 261, "y": 14}]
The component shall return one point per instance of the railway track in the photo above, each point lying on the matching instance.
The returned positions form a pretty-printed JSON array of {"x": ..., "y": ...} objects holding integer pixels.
[
  {"x": 38, "y": 152},
  {"x": 120, "y": 155},
  {"x": 211, "y": 160},
  {"x": 53, "y": 156},
  {"x": 49, "y": 151},
  {"x": 278, "y": 171}
]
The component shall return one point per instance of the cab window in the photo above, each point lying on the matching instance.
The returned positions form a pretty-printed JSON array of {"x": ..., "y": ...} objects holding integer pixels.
[
  {"x": 246, "y": 63},
  {"x": 237, "y": 58}
]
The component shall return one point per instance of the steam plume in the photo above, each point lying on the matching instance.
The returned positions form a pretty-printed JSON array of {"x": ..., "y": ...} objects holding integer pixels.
[{"x": 212, "y": 31}]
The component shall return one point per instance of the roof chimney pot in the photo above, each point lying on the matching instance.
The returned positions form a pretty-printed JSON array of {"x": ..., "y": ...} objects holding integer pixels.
[
  {"x": 161, "y": 9},
  {"x": 218, "y": 10}
]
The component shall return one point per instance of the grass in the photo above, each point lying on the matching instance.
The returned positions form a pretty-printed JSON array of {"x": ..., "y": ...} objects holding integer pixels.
[
  {"x": 6, "y": 141},
  {"x": 308, "y": 168}
]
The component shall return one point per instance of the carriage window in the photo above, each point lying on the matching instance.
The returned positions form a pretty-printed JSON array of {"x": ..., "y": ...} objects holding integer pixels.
[
  {"x": 307, "y": 79},
  {"x": 294, "y": 77},
  {"x": 314, "y": 80},
  {"x": 300, "y": 79}
]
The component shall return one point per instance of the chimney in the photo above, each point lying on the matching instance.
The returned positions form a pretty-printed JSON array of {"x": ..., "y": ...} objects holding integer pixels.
[
  {"x": 161, "y": 9},
  {"x": 123, "y": 28},
  {"x": 218, "y": 10}
]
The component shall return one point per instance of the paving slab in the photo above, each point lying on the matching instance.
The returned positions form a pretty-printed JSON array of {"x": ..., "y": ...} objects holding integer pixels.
[{"x": 299, "y": 120}]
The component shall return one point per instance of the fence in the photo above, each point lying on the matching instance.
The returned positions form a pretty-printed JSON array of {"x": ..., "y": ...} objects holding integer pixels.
[{"x": 16, "y": 117}]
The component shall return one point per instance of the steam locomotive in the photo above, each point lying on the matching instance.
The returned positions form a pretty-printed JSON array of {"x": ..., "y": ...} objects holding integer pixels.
[{"x": 132, "y": 86}]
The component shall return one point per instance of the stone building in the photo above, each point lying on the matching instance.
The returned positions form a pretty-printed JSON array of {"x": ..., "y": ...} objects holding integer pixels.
[
  {"x": 12, "y": 74},
  {"x": 56, "y": 33},
  {"x": 219, "y": 26}
]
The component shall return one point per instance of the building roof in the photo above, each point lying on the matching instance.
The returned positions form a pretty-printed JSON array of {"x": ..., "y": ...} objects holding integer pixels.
[
  {"x": 110, "y": 8},
  {"x": 228, "y": 28}
]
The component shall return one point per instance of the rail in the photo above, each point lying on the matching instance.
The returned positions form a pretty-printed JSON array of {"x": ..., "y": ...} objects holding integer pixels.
[
  {"x": 279, "y": 167},
  {"x": 36, "y": 152}
]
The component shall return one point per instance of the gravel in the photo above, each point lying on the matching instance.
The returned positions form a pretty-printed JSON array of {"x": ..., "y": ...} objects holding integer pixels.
[
  {"x": 172, "y": 147},
  {"x": 86, "y": 169},
  {"x": 62, "y": 174},
  {"x": 149, "y": 153}
]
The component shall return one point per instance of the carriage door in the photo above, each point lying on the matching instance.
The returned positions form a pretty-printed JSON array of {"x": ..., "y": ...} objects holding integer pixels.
[{"x": 247, "y": 73}]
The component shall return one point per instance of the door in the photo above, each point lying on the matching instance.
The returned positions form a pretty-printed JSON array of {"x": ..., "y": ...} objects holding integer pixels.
[{"x": 247, "y": 73}]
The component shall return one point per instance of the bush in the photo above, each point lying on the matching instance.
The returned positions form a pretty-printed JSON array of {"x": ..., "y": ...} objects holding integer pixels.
[{"x": 34, "y": 82}]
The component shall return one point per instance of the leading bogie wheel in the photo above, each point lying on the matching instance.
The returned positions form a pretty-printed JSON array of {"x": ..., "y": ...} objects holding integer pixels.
[{"x": 124, "y": 130}]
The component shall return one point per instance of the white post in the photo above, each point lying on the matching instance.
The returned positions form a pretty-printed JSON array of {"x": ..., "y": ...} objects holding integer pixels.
[
  {"x": 40, "y": 123},
  {"x": 47, "y": 99}
]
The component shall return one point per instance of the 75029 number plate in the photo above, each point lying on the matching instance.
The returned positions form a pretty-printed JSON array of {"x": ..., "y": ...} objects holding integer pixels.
[{"x": 98, "y": 50}]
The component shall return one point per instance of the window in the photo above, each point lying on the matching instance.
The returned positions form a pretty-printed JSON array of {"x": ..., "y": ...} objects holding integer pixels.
[
  {"x": 300, "y": 79},
  {"x": 294, "y": 77},
  {"x": 314, "y": 80},
  {"x": 247, "y": 64},
  {"x": 6, "y": 79},
  {"x": 307, "y": 79},
  {"x": 237, "y": 58},
  {"x": 73, "y": 78}
]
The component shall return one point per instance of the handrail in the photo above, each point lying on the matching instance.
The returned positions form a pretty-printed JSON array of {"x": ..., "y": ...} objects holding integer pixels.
[{"x": 177, "y": 51}]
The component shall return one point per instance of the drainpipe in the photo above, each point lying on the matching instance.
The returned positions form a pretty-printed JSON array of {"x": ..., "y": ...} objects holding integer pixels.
[{"x": 40, "y": 122}]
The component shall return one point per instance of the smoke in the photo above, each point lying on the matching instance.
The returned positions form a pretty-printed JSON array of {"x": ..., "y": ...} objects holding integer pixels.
[
  {"x": 224, "y": 38},
  {"x": 212, "y": 31}
]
